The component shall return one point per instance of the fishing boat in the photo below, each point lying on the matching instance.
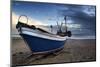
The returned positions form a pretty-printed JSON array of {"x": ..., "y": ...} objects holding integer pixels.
[{"x": 41, "y": 41}]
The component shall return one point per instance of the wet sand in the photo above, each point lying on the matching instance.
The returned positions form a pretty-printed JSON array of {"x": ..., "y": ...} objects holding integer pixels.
[{"x": 75, "y": 50}]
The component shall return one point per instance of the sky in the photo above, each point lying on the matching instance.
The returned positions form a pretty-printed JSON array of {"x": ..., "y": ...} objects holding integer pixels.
[{"x": 78, "y": 16}]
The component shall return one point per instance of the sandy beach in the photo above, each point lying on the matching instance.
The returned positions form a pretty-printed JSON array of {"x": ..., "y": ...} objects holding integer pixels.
[{"x": 75, "y": 50}]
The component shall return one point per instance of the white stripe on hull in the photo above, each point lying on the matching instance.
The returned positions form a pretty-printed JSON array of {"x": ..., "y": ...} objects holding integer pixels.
[{"x": 40, "y": 34}]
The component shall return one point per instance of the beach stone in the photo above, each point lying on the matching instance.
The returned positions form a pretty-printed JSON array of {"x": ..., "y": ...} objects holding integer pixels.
[{"x": 20, "y": 52}]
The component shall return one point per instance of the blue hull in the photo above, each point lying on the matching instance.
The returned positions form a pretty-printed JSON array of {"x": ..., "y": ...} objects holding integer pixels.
[{"x": 39, "y": 45}]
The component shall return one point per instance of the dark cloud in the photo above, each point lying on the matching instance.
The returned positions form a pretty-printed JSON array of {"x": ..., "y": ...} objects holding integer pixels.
[
  {"x": 79, "y": 12},
  {"x": 83, "y": 14}
]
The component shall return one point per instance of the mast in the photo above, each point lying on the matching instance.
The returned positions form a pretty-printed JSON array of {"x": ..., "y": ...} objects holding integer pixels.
[
  {"x": 65, "y": 18},
  {"x": 59, "y": 27}
]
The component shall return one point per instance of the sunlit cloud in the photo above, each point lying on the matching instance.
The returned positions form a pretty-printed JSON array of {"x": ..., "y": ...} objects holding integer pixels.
[
  {"x": 23, "y": 19},
  {"x": 31, "y": 21},
  {"x": 73, "y": 25},
  {"x": 69, "y": 21},
  {"x": 90, "y": 10}
]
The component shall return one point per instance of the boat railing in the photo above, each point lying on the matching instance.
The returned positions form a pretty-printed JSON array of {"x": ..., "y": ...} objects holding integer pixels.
[
  {"x": 23, "y": 16},
  {"x": 21, "y": 24}
]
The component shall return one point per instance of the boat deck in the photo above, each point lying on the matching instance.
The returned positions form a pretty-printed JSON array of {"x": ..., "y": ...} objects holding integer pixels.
[{"x": 43, "y": 34}]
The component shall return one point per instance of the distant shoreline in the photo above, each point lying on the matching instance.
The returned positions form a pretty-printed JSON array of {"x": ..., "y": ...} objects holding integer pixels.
[{"x": 72, "y": 38}]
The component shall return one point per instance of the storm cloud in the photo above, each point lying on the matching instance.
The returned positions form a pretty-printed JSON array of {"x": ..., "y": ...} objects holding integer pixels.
[{"x": 83, "y": 14}]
